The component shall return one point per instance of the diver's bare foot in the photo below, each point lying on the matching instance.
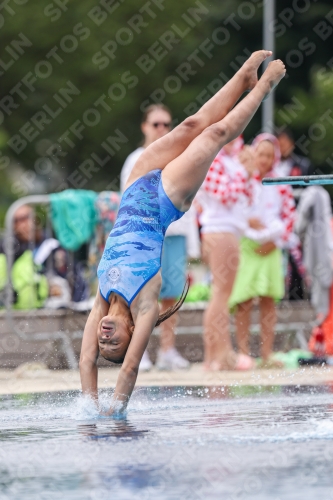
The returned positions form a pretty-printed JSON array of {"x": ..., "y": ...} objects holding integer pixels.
[
  {"x": 274, "y": 73},
  {"x": 250, "y": 67}
]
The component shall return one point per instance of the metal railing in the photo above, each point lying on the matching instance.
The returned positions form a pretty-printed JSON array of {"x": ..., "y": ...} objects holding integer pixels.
[{"x": 65, "y": 341}]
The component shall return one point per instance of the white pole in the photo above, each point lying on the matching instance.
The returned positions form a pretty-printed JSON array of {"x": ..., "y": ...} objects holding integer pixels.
[{"x": 268, "y": 44}]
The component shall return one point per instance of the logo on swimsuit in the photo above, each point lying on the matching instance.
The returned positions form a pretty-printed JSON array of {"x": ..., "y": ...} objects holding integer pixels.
[
  {"x": 149, "y": 220},
  {"x": 114, "y": 274},
  {"x": 152, "y": 222}
]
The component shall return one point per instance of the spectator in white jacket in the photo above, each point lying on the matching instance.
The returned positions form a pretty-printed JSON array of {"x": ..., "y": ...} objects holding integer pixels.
[
  {"x": 260, "y": 273},
  {"x": 181, "y": 239}
]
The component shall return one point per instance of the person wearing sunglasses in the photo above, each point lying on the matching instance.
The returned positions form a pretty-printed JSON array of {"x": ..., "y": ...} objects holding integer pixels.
[
  {"x": 155, "y": 123},
  {"x": 182, "y": 239}
]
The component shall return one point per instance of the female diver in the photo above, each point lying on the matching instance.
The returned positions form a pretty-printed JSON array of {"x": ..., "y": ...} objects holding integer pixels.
[{"x": 159, "y": 190}]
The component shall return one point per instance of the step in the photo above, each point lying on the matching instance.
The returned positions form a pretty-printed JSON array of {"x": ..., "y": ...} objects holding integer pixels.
[{"x": 40, "y": 333}]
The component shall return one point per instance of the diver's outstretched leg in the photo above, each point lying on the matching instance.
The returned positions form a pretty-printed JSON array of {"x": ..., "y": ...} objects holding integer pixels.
[
  {"x": 183, "y": 176},
  {"x": 170, "y": 146}
]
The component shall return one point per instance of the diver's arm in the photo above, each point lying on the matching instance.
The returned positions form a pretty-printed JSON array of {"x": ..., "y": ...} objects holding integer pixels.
[
  {"x": 89, "y": 348},
  {"x": 144, "y": 325}
]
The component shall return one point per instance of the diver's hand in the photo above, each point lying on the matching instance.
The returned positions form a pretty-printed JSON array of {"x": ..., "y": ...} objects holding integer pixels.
[
  {"x": 118, "y": 406},
  {"x": 107, "y": 413}
]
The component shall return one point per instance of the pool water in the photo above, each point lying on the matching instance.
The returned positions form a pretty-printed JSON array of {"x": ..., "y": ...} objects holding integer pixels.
[{"x": 173, "y": 444}]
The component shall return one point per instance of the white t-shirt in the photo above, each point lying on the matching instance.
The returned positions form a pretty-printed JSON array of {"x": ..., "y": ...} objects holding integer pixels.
[
  {"x": 128, "y": 167},
  {"x": 186, "y": 226},
  {"x": 267, "y": 207},
  {"x": 283, "y": 169}
]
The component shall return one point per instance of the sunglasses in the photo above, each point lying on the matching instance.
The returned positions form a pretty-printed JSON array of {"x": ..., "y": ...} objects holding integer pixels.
[{"x": 157, "y": 124}]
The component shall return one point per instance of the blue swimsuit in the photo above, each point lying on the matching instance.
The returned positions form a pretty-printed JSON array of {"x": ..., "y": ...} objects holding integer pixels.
[{"x": 132, "y": 254}]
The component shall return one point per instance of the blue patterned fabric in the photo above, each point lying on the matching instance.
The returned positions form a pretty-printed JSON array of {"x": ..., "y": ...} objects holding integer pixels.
[
  {"x": 132, "y": 254},
  {"x": 174, "y": 266}
]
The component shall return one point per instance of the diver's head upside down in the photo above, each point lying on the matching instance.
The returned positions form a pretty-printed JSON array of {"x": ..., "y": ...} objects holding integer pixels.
[{"x": 115, "y": 330}]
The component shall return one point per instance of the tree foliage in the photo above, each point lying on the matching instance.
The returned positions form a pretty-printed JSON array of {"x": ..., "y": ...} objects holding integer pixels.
[{"x": 67, "y": 56}]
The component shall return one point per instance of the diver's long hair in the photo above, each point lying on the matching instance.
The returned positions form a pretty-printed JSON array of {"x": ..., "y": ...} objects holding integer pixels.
[{"x": 171, "y": 310}]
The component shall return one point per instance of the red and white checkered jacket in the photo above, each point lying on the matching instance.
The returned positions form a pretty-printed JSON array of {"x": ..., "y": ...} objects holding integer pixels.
[
  {"x": 225, "y": 187},
  {"x": 230, "y": 188},
  {"x": 288, "y": 211}
]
